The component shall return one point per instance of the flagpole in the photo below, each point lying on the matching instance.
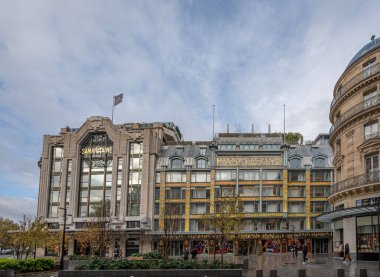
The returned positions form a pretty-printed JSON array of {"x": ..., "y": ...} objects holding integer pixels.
[{"x": 113, "y": 107}]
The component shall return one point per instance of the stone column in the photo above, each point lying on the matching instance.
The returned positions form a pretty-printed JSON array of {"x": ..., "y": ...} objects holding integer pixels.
[
  {"x": 285, "y": 193},
  {"x": 307, "y": 203},
  {"x": 187, "y": 203},
  {"x": 212, "y": 191}
]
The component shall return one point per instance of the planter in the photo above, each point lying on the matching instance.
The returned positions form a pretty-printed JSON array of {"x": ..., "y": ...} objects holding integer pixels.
[{"x": 153, "y": 273}]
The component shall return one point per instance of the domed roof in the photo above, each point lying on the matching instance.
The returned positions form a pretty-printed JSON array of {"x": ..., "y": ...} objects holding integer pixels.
[{"x": 373, "y": 44}]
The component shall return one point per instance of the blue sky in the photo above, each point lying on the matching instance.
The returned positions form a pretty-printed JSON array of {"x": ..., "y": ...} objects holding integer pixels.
[{"x": 62, "y": 61}]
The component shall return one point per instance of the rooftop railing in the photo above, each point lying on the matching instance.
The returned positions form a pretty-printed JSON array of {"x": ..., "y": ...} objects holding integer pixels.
[
  {"x": 366, "y": 104},
  {"x": 354, "y": 81},
  {"x": 355, "y": 182}
]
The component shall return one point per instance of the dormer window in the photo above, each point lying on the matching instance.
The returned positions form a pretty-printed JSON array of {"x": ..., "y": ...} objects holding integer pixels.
[
  {"x": 369, "y": 63},
  {"x": 319, "y": 162},
  {"x": 201, "y": 163},
  {"x": 295, "y": 163},
  {"x": 202, "y": 151},
  {"x": 177, "y": 163}
]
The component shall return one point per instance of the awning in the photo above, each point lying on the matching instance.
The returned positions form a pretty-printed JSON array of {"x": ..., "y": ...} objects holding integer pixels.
[{"x": 333, "y": 215}]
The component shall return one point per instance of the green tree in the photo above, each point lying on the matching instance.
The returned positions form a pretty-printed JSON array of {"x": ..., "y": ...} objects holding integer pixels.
[
  {"x": 225, "y": 221},
  {"x": 293, "y": 138}
]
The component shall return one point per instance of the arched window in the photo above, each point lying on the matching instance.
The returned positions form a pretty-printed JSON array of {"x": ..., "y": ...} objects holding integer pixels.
[
  {"x": 201, "y": 163},
  {"x": 319, "y": 162},
  {"x": 295, "y": 163},
  {"x": 177, "y": 163}
]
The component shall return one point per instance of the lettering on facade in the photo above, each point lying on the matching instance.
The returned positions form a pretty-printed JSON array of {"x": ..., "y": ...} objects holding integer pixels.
[
  {"x": 249, "y": 161},
  {"x": 96, "y": 150}
]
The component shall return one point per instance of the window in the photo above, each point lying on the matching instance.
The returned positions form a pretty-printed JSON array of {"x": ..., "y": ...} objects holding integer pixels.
[
  {"x": 174, "y": 209},
  {"x": 368, "y": 64},
  {"x": 339, "y": 207},
  {"x": 371, "y": 163},
  {"x": 225, "y": 175},
  {"x": 227, "y": 147},
  {"x": 225, "y": 191},
  {"x": 319, "y": 162},
  {"x": 319, "y": 207},
  {"x": 370, "y": 98},
  {"x": 321, "y": 175},
  {"x": 176, "y": 177},
  {"x": 133, "y": 224},
  {"x": 201, "y": 163},
  {"x": 295, "y": 163},
  {"x": 272, "y": 175},
  {"x": 249, "y": 175},
  {"x": 368, "y": 201},
  {"x": 200, "y": 177},
  {"x": 370, "y": 130},
  {"x": 319, "y": 191},
  {"x": 251, "y": 207},
  {"x": 272, "y": 190},
  {"x": 296, "y": 191},
  {"x": 134, "y": 180},
  {"x": 296, "y": 176},
  {"x": 247, "y": 191},
  {"x": 158, "y": 178},
  {"x": 197, "y": 225},
  {"x": 199, "y": 208},
  {"x": 55, "y": 180},
  {"x": 202, "y": 151},
  {"x": 177, "y": 163},
  {"x": 249, "y": 146},
  {"x": 200, "y": 192},
  {"x": 296, "y": 207},
  {"x": 175, "y": 193},
  {"x": 271, "y": 207}
]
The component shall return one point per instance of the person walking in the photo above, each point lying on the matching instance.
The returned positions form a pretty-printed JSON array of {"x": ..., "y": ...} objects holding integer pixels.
[
  {"x": 340, "y": 250},
  {"x": 194, "y": 253},
  {"x": 347, "y": 252},
  {"x": 304, "y": 252},
  {"x": 186, "y": 254}
]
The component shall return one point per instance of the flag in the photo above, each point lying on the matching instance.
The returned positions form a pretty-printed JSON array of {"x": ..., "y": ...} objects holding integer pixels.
[{"x": 117, "y": 99}]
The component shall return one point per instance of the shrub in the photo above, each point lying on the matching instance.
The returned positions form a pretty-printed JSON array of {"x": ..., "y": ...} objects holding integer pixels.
[
  {"x": 154, "y": 255},
  {"x": 31, "y": 265}
]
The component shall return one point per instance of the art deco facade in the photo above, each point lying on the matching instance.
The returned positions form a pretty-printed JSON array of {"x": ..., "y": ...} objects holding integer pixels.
[
  {"x": 354, "y": 137},
  {"x": 142, "y": 169}
]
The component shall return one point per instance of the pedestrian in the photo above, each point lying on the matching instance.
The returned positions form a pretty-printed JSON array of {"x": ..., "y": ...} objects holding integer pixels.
[
  {"x": 347, "y": 252},
  {"x": 186, "y": 254},
  {"x": 295, "y": 249},
  {"x": 194, "y": 253},
  {"x": 340, "y": 250},
  {"x": 304, "y": 252}
]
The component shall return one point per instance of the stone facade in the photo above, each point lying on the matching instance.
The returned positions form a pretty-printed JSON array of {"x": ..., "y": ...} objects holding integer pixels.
[{"x": 354, "y": 137}]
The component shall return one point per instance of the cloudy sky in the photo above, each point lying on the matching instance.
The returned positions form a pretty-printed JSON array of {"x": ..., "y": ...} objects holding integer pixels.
[{"x": 62, "y": 61}]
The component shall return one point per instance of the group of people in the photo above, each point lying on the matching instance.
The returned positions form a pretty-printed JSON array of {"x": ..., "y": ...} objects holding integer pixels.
[
  {"x": 186, "y": 253},
  {"x": 344, "y": 251}
]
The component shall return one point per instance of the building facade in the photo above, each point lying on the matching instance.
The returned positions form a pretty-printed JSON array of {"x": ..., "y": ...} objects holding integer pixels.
[
  {"x": 354, "y": 137},
  {"x": 145, "y": 170}
]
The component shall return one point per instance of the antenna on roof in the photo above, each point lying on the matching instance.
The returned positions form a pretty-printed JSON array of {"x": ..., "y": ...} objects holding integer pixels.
[
  {"x": 252, "y": 129},
  {"x": 228, "y": 128},
  {"x": 373, "y": 37},
  {"x": 269, "y": 129}
]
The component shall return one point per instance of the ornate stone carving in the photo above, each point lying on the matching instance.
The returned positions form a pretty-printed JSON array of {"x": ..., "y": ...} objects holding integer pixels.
[
  {"x": 249, "y": 161},
  {"x": 350, "y": 133}
]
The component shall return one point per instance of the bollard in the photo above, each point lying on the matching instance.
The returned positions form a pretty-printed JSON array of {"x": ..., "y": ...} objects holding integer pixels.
[
  {"x": 259, "y": 273},
  {"x": 301, "y": 272},
  {"x": 363, "y": 272},
  {"x": 245, "y": 264},
  {"x": 341, "y": 272},
  {"x": 273, "y": 273}
]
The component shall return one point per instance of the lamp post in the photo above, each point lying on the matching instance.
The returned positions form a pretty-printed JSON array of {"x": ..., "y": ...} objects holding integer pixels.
[
  {"x": 63, "y": 237},
  {"x": 292, "y": 227}
]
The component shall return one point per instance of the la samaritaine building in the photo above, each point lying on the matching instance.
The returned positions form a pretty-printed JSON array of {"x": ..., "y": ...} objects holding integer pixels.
[{"x": 141, "y": 168}]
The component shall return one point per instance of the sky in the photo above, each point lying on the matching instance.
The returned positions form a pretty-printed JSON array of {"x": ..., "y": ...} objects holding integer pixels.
[{"x": 63, "y": 61}]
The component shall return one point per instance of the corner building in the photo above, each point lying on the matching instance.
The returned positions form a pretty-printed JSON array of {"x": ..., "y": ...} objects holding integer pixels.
[
  {"x": 142, "y": 169},
  {"x": 354, "y": 137}
]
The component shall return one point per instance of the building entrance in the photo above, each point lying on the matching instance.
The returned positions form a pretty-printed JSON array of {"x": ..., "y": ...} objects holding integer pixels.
[{"x": 320, "y": 246}]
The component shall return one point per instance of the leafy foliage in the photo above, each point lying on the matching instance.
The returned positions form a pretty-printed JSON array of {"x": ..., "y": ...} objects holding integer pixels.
[
  {"x": 293, "y": 138},
  {"x": 98, "y": 263},
  {"x": 31, "y": 265}
]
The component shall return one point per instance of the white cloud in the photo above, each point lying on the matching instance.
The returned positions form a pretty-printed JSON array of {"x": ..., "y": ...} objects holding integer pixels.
[
  {"x": 61, "y": 62},
  {"x": 16, "y": 207}
]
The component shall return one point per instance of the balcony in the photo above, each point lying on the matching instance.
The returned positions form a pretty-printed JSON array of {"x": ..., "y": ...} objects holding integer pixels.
[
  {"x": 355, "y": 110},
  {"x": 356, "y": 182},
  {"x": 371, "y": 136},
  {"x": 354, "y": 81}
]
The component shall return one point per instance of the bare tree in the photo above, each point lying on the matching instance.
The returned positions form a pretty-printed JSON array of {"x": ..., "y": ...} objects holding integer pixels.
[{"x": 171, "y": 219}]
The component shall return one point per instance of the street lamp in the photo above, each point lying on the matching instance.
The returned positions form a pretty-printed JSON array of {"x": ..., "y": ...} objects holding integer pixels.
[
  {"x": 63, "y": 237},
  {"x": 293, "y": 242}
]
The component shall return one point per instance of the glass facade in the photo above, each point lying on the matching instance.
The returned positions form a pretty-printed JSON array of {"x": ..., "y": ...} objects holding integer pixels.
[
  {"x": 134, "y": 180},
  {"x": 95, "y": 174},
  {"x": 55, "y": 181}
]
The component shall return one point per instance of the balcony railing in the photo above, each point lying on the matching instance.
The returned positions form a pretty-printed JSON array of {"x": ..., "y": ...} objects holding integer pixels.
[
  {"x": 355, "y": 80},
  {"x": 366, "y": 104},
  {"x": 357, "y": 181},
  {"x": 371, "y": 136}
]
